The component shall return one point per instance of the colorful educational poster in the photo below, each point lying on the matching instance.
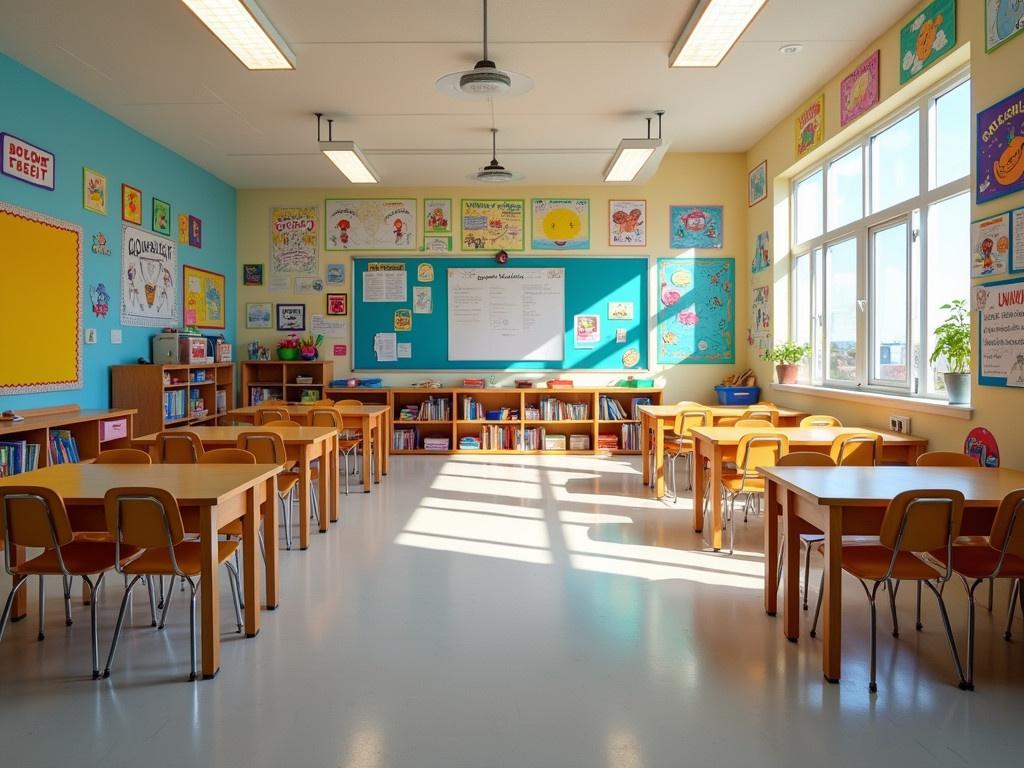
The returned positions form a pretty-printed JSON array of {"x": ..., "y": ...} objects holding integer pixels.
[
  {"x": 403, "y": 320},
  {"x": 696, "y": 311},
  {"x": 259, "y": 315},
  {"x": 94, "y": 191},
  {"x": 27, "y": 162},
  {"x": 981, "y": 445},
  {"x": 762, "y": 256},
  {"x": 335, "y": 274},
  {"x": 761, "y": 312},
  {"x": 929, "y": 36},
  {"x": 810, "y": 126},
  {"x": 437, "y": 216},
  {"x": 1003, "y": 19},
  {"x": 183, "y": 228},
  {"x": 337, "y": 303},
  {"x": 422, "y": 300},
  {"x": 291, "y": 317},
  {"x": 757, "y": 184},
  {"x": 309, "y": 284},
  {"x": 695, "y": 226},
  {"x": 627, "y": 222},
  {"x": 492, "y": 225},
  {"x": 560, "y": 224},
  {"x": 1017, "y": 255},
  {"x": 371, "y": 224},
  {"x": 1000, "y": 158},
  {"x": 195, "y": 231},
  {"x": 586, "y": 331},
  {"x": 294, "y": 235},
  {"x": 425, "y": 272},
  {"x": 858, "y": 92},
  {"x": 990, "y": 245},
  {"x": 161, "y": 217},
  {"x": 620, "y": 310},
  {"x": 131, "y": 204},
  {"x": 252, "y": 274},
  {"x": 149, "y": 278},
  {"x": 204, "y": 297},
  {"x": 1001, "y": 334}
]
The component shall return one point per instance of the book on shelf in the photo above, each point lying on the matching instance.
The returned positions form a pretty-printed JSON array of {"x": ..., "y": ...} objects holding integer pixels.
[
  {"x": 176, "y": 404},
  {"x": 631, "y": 437},
  {"x": 637, "y": 402},
  {"x": 608, "y": 442},
  {"x": 435, "y": 409},
  {"x": 533, "y": 438},
  {"x": 553, "y": 409},
  {"x": 436, "y": 443},
  {"x": 63, "y": 447},
  {"x": 500, "y": 438},
  {"x": 554, "y": 442},
  {"x": 221, "y": 401},
  {"x": 611, "y": 409},
  {"x": 17, "y": 456},
  {"x": 404, "y": 439}
]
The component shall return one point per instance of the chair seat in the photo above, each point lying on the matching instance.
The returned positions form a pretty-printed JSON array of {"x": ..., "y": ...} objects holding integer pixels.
[
  {"x": 746, "y": 484},
  {"x": 80, "y": 558},
  {"x": 188, "y": 555},
  {"x": 679, "y": 445},
  {"x": 977, "y": 560},
  {"x": 848, "y": 541},
  {"x": 349, "y": 444},
  {"x": 100, "y": 536},
  {"x": 871, "y": 562},
  {"x": 285, "y": 483}
]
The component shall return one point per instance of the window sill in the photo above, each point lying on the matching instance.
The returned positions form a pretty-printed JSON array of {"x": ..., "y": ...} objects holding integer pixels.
[{"x": 918, "y": 404}]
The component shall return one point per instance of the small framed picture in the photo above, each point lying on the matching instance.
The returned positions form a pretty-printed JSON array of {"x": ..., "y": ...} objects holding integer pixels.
[
  {"x": 757, "y": 184},
  {"x": 195, "y": 231},
  {"x": 131, "y": 204},
  {"x": 94, "y": 191},
  {"x": 337, "y": 303},
  {"x": 183, "y": 228},
  {"x": 252, "y": 274},
  {"x": 291, "y": 317},
  {"x": 259, "y": 315},
  {"x": 161, "y": 217}
]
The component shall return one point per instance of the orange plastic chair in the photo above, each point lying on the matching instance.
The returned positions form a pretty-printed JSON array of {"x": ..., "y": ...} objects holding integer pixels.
[
  {"x": 682, "y": 444},
  {"x": 178, "y": 446},
  {"x": 32, "y": 516},
  {"x": 754, "y": 450},
  {"x": 820, "y": 420},
  {"x": 946, "y": 459},
  {"x": 281, "y": 423},
  {"x": 268, "y": 448},
  {"x": 857, "y": 449},
  {"x": 754, "y": 424},
  {"x": 123, "y": 456},
  {"x": 227, "y": 456},
  {"x": 149, "y": 519},
  {"x": 347, "y": 403},
  {"x": 347, "y": 446},
  {"x": 324, "y": 403},
  {"x": 355, "y": 434},
  {"x": 265, "y": 414}
]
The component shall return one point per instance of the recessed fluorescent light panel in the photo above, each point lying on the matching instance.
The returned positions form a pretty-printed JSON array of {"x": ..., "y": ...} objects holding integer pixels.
[
  {"x": 350, "y": 161},
  {"x": 629, "y": 158},
  {"x": 246, "y": 31},
  {"x": 712, "y": 31}
]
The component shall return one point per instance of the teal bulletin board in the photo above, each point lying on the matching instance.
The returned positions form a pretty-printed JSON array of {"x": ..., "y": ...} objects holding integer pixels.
[
  {"x": 591, "y": 284},
  {"x": 696, "y": 311}
]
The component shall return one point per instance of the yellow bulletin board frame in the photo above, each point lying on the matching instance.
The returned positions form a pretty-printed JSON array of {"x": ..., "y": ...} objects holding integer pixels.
[
  {"x": 194, "y": 300},
  {"x": 40, "y": 298}
]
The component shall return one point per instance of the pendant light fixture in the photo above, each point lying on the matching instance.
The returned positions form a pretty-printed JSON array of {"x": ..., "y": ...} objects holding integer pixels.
[{"x": 485, "y": 80}]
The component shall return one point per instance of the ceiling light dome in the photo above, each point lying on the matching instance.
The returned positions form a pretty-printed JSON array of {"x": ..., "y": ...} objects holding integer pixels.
[{"x": 484, "y": 80}]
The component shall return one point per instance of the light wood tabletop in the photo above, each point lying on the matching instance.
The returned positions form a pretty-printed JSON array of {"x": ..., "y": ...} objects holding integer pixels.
[
  {"x": 303, "y": 445},
  {"x": 838, "y": 501},
  {"x": 222, "y": 492},
  {"x": 718, "y": 445}
]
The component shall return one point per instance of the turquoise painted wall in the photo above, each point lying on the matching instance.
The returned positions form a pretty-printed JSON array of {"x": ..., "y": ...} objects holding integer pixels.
[{"x": 79, "y": 134}]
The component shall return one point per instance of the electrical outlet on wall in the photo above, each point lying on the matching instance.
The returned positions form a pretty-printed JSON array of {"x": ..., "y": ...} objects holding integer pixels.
[{"x": 900, "y": 424}]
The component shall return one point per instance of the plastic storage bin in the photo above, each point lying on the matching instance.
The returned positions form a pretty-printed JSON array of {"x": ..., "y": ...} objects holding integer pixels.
[{"x": 737, "y": 395}]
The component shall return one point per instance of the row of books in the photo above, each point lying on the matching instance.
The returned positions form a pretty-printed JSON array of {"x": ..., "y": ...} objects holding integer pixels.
[
  {"x": 637, "y": 402},
  {"x": 409, "y": 440},
  {"x": 553, "y": 409},
  {"x": 611, "y": 409},
  {"x": 631, "y": 437},
  {"x": 495, "y": 438},
  {"x": 474, "y": 410},
  {"x": 63, "y": 448},
  {"x": 258, "y": 395},
  {"x": 175, "y": 404},
  {"x": 431, "y": 409},
  {"x": 17, "y": 456}
]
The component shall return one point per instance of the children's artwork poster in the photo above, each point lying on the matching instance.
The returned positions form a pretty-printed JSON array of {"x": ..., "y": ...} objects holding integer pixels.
[
  {"x": 620, "y": 335},
  {"x": 131, "y": 204},
  {"x": 259, "y": 315},
  {"x": 1017, "y": 256},
  {"x": 94, "y": 191},
  {"x": 100, "y": 298},
  {"x": 204, "y": 297},
  {"x": 291, "y": 317},
  {"x": 929, "y": 36},
  {"x": 810, "y": 126},
  {"x": 1001, "y": 334},
  {"x": 761, "y": 315},
  {"x": 493, "y": 225},
  {"x": 337, "y": 303},
  {"x": 695, "y": 226},
  {"x": 762, "y": 259},
  {"x": 1003, "y": 19},
  {"x": 403, "y": 320},
  {"x": 425, "y": 272},
  {"x": 294, "y": 239},
  {"x": 620, "y": 310},
  {"x": 183, "y": 228},
  {"x": 981, "y": 444},
  {"x": 1000, "y": 152},
  {"x": 309, "y": 284},
  {"x": 371, "y": 224},
  {"x": 990, "y": 245},
  {"x": 422, "y": 300},
  {"x": 27, "y": 162},
  {"x": 560, "y": 224},
  {"x": 195, "y": 231},
  {"x": 437, "y": 216},
  {"x": 627, "y": 222},
  {"x": 757, "y": 184},
  {"x": 696, "y": 310},
  {"x": 586, "y": 331},
  {"x": 335, "y": 274},
  {"x": 252, "y": 274},
  {"x": 161, "y": 217},
  {"x": 99, "y": 244},
  {"x": 149, "y": 284},
  {"x": 858, "y": 92}
]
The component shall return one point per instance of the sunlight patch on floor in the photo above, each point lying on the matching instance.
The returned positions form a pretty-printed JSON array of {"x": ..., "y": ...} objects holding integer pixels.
[{"x": 478, "y": 548}]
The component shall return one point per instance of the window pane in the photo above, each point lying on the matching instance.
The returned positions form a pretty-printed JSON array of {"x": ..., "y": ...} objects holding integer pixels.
[
  {"x": 846, "y": 189},
  {"x": 889, "y": 316},
  {"x": 895, "y": 163},
  {"x": 953, "y": 134},
  {"x": 841, "y": 306},
  {"x": 802, "y": 299},
  {"x": 808, "y": 207},
  {"x": 949, "y": 223}
]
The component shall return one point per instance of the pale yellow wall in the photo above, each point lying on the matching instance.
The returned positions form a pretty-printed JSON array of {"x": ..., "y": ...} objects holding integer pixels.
[
  {"x": 994, "y": 76},
  {"x": 681, "y": 180}
]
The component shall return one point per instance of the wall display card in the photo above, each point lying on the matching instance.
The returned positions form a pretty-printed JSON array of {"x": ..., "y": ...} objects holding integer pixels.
[
  {"x": 403, "y": 320},
  {"x": 259, "y": 315},
  {"x": 1001, "y": 307},
  {"x": 757, "y": 184},
  {"x": 586, "y": 331},
  {"x": 252, "y": 274},
  {"x": 1017, "y": 254},
  {"x": 422, "y": 300},
  {"x": 560, "y": 224},
  {"x": 329, "y": 327},
  {"x": 404, "y": 350},
  {"x": 990, "y": 245},
  {"x": 620, "y": 310},
  {"x": 204, "y": 297},
  {"x": 294, "y": 236},
  {"x": 27, "y": 162},
  {"x": 697, "y": 311},
  {"x": 183, "y": 228},
  {"x": 339, "y": 350},
  {"x": 335, "y": 274},
  {"x": 859, "y": 90},
  {"x": 1003, "y": 19},
  {"x": 425, "y": 272},
  {"x": 306, "y": 284},
  {"x": 627, "y": 222},
  {"x": 620, "y": 335},
  {"x": 94, "y": 191},
  {"x": 279, "y": 284},
  {"x": 371, "y": 224},
  {"x": 437, "y": 243},
  {"x": 149, "y": 283},
  {"x": 695, "y": 226},
  {"x": 761, "y": 312},
  {"x": 1000, "y": 151},
  {"x": 437, "y": 216},
  {"x": 491, "y": 225},
  {"x": 385, "y": 281},
  {"x": 385, "y": 346},
  {"x": 926, "y": 38},
  {"x": 762, "y": 259},
  {"x": 810, "y": 126}
]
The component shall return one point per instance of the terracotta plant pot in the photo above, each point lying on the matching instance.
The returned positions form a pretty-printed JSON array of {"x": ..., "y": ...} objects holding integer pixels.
[{"x": 787, "y": 373}]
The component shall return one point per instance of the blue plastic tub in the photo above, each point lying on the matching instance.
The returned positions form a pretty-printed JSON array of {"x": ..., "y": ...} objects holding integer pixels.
[{"x": 737, "y": 395}]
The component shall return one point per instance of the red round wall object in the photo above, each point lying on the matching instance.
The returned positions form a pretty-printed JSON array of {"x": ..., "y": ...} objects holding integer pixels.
[{"x": 501, "y": 257}]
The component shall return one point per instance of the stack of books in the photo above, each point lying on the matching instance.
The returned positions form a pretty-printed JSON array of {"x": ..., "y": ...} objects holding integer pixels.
[
  {"x": 608, "y": 442},
  {"x": 469, "y": 443},
  {"x": 436, "y": 443},
  {"x": 404, "y": 440},
  {"x": 553, "y": 409},
  {"x": 63, "y": 448},
  {"x": 17, "y": 456},
  {"x": 611, "y": 409},
  {"x": 435, "y": 409},
  {"x": 495, "y": 438},
  {"x": 631, "y": 437},
  {"x": 533, "y": 438},
  {"x": 474, "y": 383},
  {"x": 559, "y": 383},
  {"x": 409, "y": 412}
]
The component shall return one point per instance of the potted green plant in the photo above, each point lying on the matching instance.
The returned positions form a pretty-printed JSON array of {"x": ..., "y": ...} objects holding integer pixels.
[
  {"x": 288, "y": 347},
  {"x": 953, "y": 342},
  {"x": 787, "y": 357}
]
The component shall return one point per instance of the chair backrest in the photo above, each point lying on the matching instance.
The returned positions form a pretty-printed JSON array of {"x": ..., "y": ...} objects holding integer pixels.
[
  {"x": 857, "y": 449},
  {"x": 946, "y": 459},
  {"x": 922, "y": 521},
  {"x": 767, "y": 413},
  {"x": 325, "y": 417},
  {"x": 693, "y": 416},
  {"x": 348, "y": 402},
  {"x": 267, "y": 447},
  {"x": 140, "y": 516},
  {"x": 805, "y": 459},
  {"x": 228, "y": 456},
  {"x": 820, "y": 420},
  {"x": 325, "y": 402},
  {"x": 1008, "y": 526},
  {"x": 123, "y": 456},
  {"x": 754, "y": 424},
  {"x": 281, "y": 423},
  {"x": 33, "y": 516},
  {"x": 263, "y": 415},
  {"x": 178, "y": 446},
  {"x": 760, "y": 449}
]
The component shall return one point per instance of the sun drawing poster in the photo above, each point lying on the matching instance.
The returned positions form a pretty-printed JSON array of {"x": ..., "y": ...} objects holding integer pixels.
[
  {"x": 696, "y": 311},
  {"x": 149, "y": 285},
  {"x": 561, "y": 224},
  {"x": 294, "y": 233},
  {"x": 371, "y": 225}
]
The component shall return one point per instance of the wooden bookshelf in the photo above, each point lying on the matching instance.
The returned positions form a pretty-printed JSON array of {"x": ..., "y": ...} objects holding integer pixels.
[
  {"x": 517, "y": 402},
  {"x": 276, "y": 379},
  {"x": 143, "y": 387},
  {"x": 93, "y": 430}
]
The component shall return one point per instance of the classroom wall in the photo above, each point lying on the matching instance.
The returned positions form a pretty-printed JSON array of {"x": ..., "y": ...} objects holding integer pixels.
[
  {"x": 994, "y": 76},
  {"x": 710, "y": 179},
  {"x": 78, "y": 134}
]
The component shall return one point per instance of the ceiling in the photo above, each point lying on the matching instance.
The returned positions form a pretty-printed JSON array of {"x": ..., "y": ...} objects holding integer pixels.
[{"x": 599, "y": 66}]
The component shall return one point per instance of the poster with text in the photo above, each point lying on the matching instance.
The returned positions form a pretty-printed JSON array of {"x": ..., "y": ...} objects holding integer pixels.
[
  {"x": 560, "y": 224},
  {"x": 810, "y": 126},
  {"x": 990, "y": 245},
  {"x": 1000, "y": 152},
  {"x": 696, "y": 311},
  {"x": 149, "y": 283},
  {"x": 371, "y": 224},
  {"x": 491, "y": 225},
  {"x": 294, "y": 235},
  {"x": 1001, "y": 307},
  {"x": 695, "y": 226}
]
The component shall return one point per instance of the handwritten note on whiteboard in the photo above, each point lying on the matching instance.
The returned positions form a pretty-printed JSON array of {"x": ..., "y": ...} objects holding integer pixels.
[{"x": 506, "y": 314}]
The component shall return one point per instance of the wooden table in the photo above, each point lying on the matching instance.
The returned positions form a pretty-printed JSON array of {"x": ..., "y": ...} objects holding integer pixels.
[
  {"x": 843, "y": 501},
  {"x": 660, "y": 419},
  {"x": 372, "y": 421},
  {"x": 222, "y": 492},
  {"x": 718, "y": 445},
  {"x": 303, "y": 444}
]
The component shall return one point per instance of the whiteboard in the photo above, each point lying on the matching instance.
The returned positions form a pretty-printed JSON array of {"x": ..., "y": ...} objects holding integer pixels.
[{"x": 506, "y": 314}]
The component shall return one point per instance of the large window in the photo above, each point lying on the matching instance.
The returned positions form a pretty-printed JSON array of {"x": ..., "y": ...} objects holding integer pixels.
[{"x": 880, "y": 242}]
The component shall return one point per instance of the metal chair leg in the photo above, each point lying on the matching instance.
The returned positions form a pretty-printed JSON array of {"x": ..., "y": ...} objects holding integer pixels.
[
  {"x": 991, "y": 591},
  {"x": 1008, "y": 632},
  {"x": 963, "y": 684},
  {"x": 919, "y": 625},
  {"x": 42, "y": 607},
  {"x": 192, "y": 630},
  {"x": 7, "y": 606},
  {"x": 778, "y": 570},
  {"x": 892, "y": 608},
  {"x": 120, "y": 622},
  {"x": 152, "y": 601},
  {"x": 92, "y": 616},
  {"x": 817, "y": 606},
  {"x": 873, "y": 626},
  {"x": 235, "y": 589},
  {"x": 167, "y": 604},
  {"x": 807, "y": 573}
]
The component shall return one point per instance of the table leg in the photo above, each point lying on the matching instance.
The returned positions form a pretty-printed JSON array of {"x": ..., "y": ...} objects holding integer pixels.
[
  {"x": 250, "y": 555},
  {"x": 645, "y": 447},
  {"x": 270, "y": 544},
  {"x": 378, "y": 453},
  {"x": 304, "y": 479},
  {"x": 324, "y": 486},
  {"x": 698, "y": 486},
  {"x": 715, "y": 490},
  {"x": 367, "y": 447},
  {"x": 209, "y": 593},
  {"x": 771, "y": 547},
  {"x": 659, "y": 459},
  {"x": 790, "y": 567},
  {"x": 832, "y": 605},
  {"x": 333, "y": 474},
  {"x": 384, "y": 433}
]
